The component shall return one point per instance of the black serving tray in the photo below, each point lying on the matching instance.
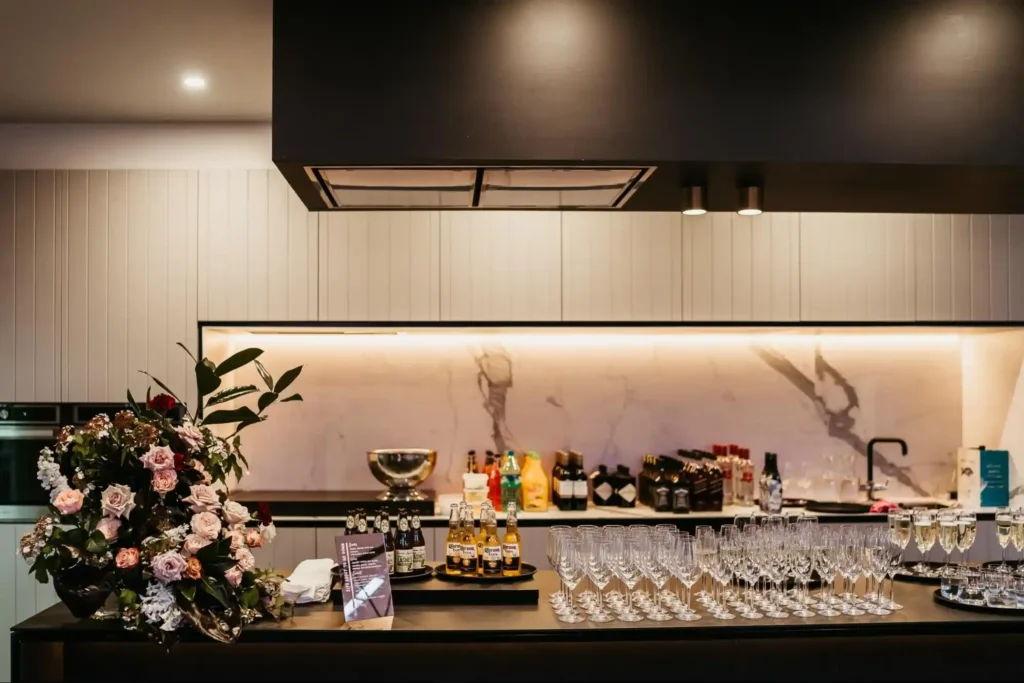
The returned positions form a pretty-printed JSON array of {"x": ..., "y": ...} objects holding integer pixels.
[
  {"x": 984, "y": 609},
  {"x": 908, "y": 574},
  {"x": 526, "y": 573}
]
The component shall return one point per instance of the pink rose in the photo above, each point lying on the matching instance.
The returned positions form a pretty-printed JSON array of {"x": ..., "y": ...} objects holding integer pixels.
[
  {"x": 237, "y": 538},
  {"x": 108, "y": 526},
  {"x": 207, "y": 525},
  {"x": 117, "y": 501},
  {"x": 246, "y": 562},
  {"x": 127, "y": 558},
  {"x": 253, "y": 538},
  {"x": 158, "y": 458},
  {"x": 164, "y": 481},
  {"x": 193, "y": 544},
  {"x": 168, "y": 566},
  {"x": 69, "y": 501},
  {"x": 235, "y": 513},
  {"x": 233, "y": 575},
  {"x": 203, "y": 498},
  {"x": 191, "y": 436}
]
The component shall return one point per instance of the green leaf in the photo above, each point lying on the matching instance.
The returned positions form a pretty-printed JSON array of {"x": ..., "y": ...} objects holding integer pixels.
[
  {"x": 187, "y": 591},
  {"x": 187, "y": 351},
  {"x": 221, "y": 417},
  {"x": 211, "y": 588},
  {"x": 162, "y": 386},
  {"x": 293, "y": 397},
  {"x": 133, "y": 403},
  {"x": 286, "y": 379},
  {"x": 266, "y": 399},
  {"x": 127, "y": 597},
  {"x": 267, "y": 378},
  {"x": 231, "y": 394},
  {"x": 243, "y": 357},
  {"x": 41, "y": 575},
  {"x": 96, "y": 543},
  {"x": 207, "y": 380},
  {"x": 250, "y": 597}
]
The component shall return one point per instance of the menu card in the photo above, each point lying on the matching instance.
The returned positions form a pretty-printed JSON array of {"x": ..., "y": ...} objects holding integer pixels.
[
  {"x": 995, "y": 478},
  {"x": 365, "y": 586}
]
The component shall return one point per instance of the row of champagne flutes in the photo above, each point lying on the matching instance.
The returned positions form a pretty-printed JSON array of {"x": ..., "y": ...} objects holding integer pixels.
[
  {"x": 952, "y": 530},
  {"x": 643, "y": 572}
]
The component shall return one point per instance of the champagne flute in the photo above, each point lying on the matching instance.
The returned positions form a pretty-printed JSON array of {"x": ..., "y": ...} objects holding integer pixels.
[
  {"x": 597, "y": 556},
  {"x": 687, "y": 571},
  {"x": 557, "y": 530},
  {"x": 947, "y": 535},
  {"x": 876, "y": 565},
  {"x": 1004, "y": 528},
  {"x": 570, "y": 571},
  {"x": 1017, "y": 535},
  {"x": 629, "y": 573},
  {"x": 827, "y": 552},
  {"x": 657, "y": 563},
  {"x": 925, "y": 529}
]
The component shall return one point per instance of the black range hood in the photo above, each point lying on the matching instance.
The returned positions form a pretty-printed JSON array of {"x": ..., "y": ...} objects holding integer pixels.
[{"x": 909, "y": 106}]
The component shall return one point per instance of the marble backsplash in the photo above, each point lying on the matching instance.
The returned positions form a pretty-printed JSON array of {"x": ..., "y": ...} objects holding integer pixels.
[{"x": 814, "y": 399}]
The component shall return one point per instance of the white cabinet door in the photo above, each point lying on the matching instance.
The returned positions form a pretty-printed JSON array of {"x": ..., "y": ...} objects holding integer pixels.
[
  {"x": 501, "y": 265},
  {"x": 379, "y": 266},
  {"x": 31, "y": 260},
  {"x": 292, "y": 545},
  {"x": 740, "y": 268},
  {"x": 621, "y": 266}
]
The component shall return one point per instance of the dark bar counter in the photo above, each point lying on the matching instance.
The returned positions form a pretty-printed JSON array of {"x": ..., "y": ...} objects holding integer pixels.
[{"x": 923, "y": 642}]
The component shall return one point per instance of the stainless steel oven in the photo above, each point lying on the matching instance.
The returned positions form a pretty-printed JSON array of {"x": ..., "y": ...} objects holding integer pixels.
[{"x": 25, "y": 429}]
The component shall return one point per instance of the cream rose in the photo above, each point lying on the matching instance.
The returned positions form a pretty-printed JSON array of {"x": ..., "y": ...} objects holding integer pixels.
[
  {"x": 245, "y": 559},
  {"x": 69, "y": 501},
  {"x": 203, "y": 498},
  {"x": 191, "y": 436},
  {"x": 233, "y": 575},
  {"x": 235, "y": 513},
  {"x": 108, "y": 526},
  {"x": 253, "y": 538},
  {"x": 117, "y": 501},
  {"x": 158, "y": 458},
  {"x": 193, "y": 544},
  {"x": 269, "y": 532},
  {"x": 164, "y": 481},
  {"x": 237, "y": 538},
  {"x": 206, "y": 525}
]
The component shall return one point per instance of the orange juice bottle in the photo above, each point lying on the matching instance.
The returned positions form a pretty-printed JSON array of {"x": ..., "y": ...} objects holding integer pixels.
[{"x": 535, "y": 485}]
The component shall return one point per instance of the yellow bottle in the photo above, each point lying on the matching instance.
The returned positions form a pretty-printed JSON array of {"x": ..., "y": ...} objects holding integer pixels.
[
  {"x": 511, "y": 545},
  {"x": 482, "y": 536},
  {"x": 535, "y": 485}
]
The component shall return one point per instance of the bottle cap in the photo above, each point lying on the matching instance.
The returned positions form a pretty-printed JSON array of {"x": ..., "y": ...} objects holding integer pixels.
[{"x": 533, "y": 455}]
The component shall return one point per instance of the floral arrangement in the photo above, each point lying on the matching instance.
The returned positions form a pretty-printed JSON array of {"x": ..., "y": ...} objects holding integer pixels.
[{"x": 138, "y": 509}]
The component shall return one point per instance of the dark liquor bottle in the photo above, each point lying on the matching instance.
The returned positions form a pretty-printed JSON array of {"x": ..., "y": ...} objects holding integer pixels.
[
  {"x": 389, "y": 541},
  {"x": 716, "y": 482},
  {"x": 770, "y": 498},
  {"x": 680, "y": 481},
  {"x": 601, "y": 485},
  {"x": 644, "y": 485},
  {"x": 403, "y": 545},
  {"x": 700, "y": 481},
  {"x": 565, "y": 486},
  {"x": 660, "y": 487},
  {"x": 561, "y": 462},
  {"x": 624, "y": 485},
  {"x": 419, "y": 545},
  {"x": 580, "y": 482}
]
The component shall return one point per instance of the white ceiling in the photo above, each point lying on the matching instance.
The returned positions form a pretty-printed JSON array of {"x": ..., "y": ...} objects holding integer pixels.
[{"x": 122, "y": 60}]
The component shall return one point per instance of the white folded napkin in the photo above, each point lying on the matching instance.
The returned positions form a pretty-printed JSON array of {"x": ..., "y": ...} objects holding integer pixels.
[{"x": 310, "y": 582}]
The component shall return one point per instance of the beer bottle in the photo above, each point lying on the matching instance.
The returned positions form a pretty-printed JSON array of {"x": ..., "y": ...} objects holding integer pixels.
[
  {"x": 490, "y": 559},
  {"x": 419, "y": 545},
  {"x": 469, "y": 555},
  {"x": 481, "y": 536},
  {"x": 360, "y": 521},
  {"x": 453, "y": 543},
  {"x": 511, "y": 545},
  {"x": 389, "y": 541},
  {"x": 403, "y": 545},
  {"x": 350, "y": 523}
]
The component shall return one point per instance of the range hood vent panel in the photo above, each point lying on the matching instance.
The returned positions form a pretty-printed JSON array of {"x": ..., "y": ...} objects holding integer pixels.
[{"x": 490, "y": 188}]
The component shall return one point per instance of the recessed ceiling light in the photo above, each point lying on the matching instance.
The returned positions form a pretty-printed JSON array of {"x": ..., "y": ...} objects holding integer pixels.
[
  {"x": 693, "y": 201},
  {"x": 193, "y": 82},
  {"x": 750, "y": 201}
]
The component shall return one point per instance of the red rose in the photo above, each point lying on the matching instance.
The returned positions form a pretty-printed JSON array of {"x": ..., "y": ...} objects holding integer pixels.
[
  {"x": 263, "y": 513},
  {"x": 179, "y": 462},
  {"x": 161, "y": 403}
]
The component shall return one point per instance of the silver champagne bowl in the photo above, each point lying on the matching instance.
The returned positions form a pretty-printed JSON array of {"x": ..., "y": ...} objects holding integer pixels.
[{"x": 402, "y": 470}]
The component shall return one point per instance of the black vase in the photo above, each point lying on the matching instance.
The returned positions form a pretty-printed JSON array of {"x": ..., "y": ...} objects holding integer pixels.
[{"x": 84, "y": 592}]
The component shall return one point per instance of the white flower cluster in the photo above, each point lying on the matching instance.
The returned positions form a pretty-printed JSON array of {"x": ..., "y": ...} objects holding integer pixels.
[
  {"x": 49, "y": 474},
  {"x": 177, "y": 534},
  {"x": 159, "y": 607}
]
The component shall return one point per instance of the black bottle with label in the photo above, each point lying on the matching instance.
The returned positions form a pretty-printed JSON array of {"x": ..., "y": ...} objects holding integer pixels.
[
  {"x": 716, "y": 482},
  {"x": 660, "y": 487},
  {"x": 698, "y": 484},
  {"x": 561, "y": 462},
  {"x": 604, "y": 494},
  {"x": 644, "y": 486},
  {"x": 680, "y": 483},
  {"x": 580, "y": 481},
  {"x": 624, "y": 485}
]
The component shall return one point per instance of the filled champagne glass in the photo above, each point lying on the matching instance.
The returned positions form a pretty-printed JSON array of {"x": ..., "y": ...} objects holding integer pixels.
[
  {"x": 948, "y": 531},
  {"x": 1017, "y": 534},
  {"x": 925, "y": 533},
  {"x": 1004, "y": 529}
]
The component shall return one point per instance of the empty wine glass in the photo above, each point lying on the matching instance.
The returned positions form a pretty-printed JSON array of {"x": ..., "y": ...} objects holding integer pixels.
[
  {"x": 687, "y": 570},
  {"x": 557, "y": 598},
  {"x": 828, "y": 550},
  {"x": 876, "y": 562},
  {"x": 851, "y": 562},
  {"x": 657, "y": 563},
  {"x": 721, "y": 571},
  {"x": 802, "y": 561},
  {"x": 570, "y": 570},
  {"x": 597, "y": 556},
  {"x": 628, "y": 570}
]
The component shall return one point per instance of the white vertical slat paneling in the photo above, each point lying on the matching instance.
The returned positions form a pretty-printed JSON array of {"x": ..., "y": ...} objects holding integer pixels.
[
  {"x": 8, "y": 359},
  {"x": 117, "y": 284},
  {"x": 191, "y": 283},
  {"x": 961, "y": 264},
  {"x": 47, "y": 289},
  {"x": 137, "y": 272},
  {"x": 96, "y": 282},
  {"x": 621, "y": 266},
  {"x": 502, "y": 265},
  {"x": 255, "y": 248},
  {"x": 924, "y": 266},
  {"x": 721, "y": 266},
  {"x": 24, "y": 282},
  {"x": 999, "y": 267},
  {"x": 980, "y": 253},
  {"x": 77, "y": 369},
  {"x": 899, "y": 267},
  {"x": 697, "y": 267},
  {"x": 379, "y": 266},
  {"x": 742, "y": 268},
  {"x": 942, "y": 267},
  {"x": 1015, "y": 258},
  {"x": 179, "y": 327},
  {"x": 157, "y": 276}
]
